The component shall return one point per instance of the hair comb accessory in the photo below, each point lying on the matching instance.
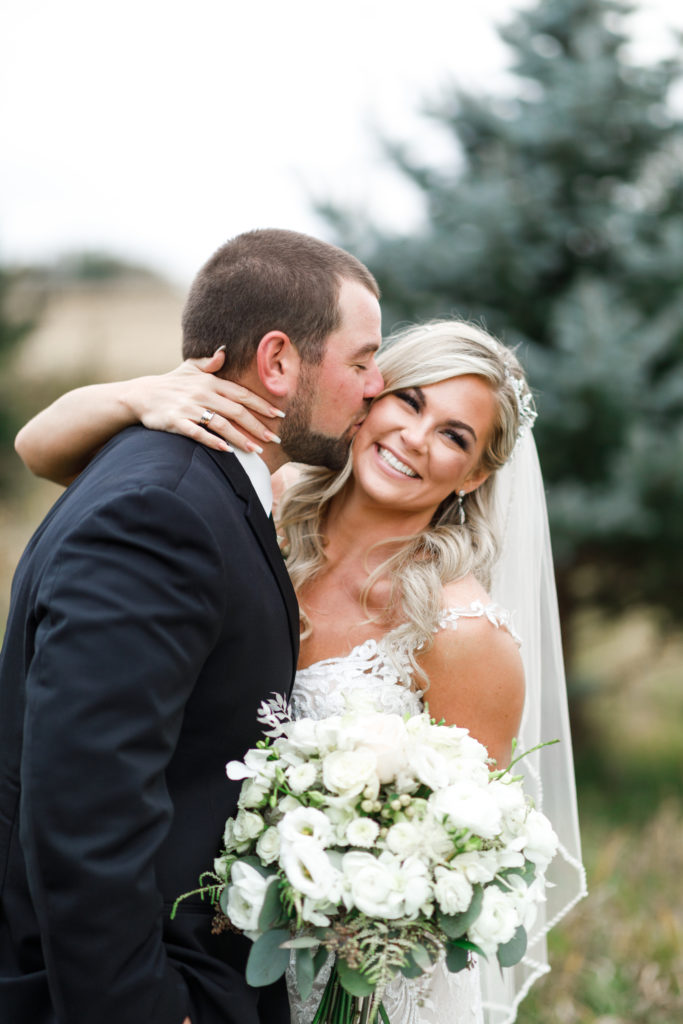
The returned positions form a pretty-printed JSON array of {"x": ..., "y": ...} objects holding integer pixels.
[{"x": 525, "y": 402}]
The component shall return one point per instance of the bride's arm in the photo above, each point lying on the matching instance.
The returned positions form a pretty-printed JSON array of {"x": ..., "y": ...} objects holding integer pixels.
[
  {"x": 476, "y": 681},
  {"x": 61, "y": 440}
]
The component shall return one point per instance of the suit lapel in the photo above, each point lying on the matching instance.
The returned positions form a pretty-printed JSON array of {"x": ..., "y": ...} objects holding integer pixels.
[{"x": 264, "y": 532}]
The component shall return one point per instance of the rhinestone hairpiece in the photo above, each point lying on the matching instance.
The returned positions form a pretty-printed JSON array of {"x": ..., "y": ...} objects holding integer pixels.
[{"x": 525, "y": 403}]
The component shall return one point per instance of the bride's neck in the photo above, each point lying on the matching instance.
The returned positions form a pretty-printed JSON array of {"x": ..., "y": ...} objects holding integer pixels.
[{"x": 354, "y": 527}]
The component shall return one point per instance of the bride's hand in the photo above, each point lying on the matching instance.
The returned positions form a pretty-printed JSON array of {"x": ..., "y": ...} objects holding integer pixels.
[{"x": 176, "y": 401}]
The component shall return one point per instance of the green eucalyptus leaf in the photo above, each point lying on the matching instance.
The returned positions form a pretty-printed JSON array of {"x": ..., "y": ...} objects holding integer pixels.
[
  {"x": 355, "y": 983},
  {"x": 267, "y": 960},
  {"x": 510, "y": 953},
  {"x": 456, "y": 958},
  {"x": 319, "y": 960},
  {"x": 272, "y": 913},
  {"x": 305, "y": 972},
  {"x": 410, "y": 969},
  {"x": 421, "y": 957}
]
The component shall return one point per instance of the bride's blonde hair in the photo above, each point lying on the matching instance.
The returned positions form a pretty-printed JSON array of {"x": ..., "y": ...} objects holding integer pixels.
[{"x": 445, "y": 550}]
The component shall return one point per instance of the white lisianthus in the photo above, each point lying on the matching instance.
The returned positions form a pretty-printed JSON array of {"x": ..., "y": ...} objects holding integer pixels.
[
  {"x": 362, "y": 832},
  {"x": 252, "y": 793},
  {"x": 248, "y": 825},
  {"x": 349, "y": 772},
  {"x": 478, "y": 867},
  {"x": 452, "y": 890},
  {"x": 466, "y": 805},
  {"x": 303, "y": 736},
  {"x": 403, "y": 839},
  {"x": 246, "y": 896},
  {"x": 413, "y": 883},
  {"x": 331, "y": 735},
  {"x": 310, "y": 871},
  {"x": 497, "y": 922},
  {"x": 302, "y": 777},
  {"x": 268, "y": 845},
  {"x": 306, "y": 823},
  {"x": 541, "y": 841},
  {"x": 510, "y": 798}
]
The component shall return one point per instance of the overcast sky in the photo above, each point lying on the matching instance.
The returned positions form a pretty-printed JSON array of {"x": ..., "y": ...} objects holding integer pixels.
[{"x": 156, "y": 130}]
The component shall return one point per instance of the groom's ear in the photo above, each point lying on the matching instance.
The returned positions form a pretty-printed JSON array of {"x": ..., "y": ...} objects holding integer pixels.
[{"x": 278, "y": 364}]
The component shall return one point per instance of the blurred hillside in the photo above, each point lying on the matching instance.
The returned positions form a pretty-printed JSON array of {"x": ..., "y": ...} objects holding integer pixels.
[{"x": 91, "y": 318}]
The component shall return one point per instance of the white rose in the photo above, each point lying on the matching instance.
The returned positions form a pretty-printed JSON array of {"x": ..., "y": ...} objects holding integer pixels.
[
  {"x": 220, "y": 866},
  {"x": 541, "y": 842},
  {"x": 310, "y": 870},
  {"x": 302, "y": 777},
  {"x": 466, "y": 805},
  {"x": 306, "y": 823},
  {"x": 348, "y": 772},
  {"x": 385, "y": 736},
  {"x": 252, "y": 793},
  {"x": 403, "y": 838},
  {"x": 370, "y": 886},
  {"x": 362, "y": 832},
  {"x": 246, "y": 895},
  {"x": 497, "y": 922},
  {"x": 248, "y": 825},
  {"x": 452, "y": 890},
  {"x": 268, "y": 845}
]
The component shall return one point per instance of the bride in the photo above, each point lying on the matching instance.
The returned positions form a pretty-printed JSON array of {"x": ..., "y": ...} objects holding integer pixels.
[{"x": 418, "y": 568}]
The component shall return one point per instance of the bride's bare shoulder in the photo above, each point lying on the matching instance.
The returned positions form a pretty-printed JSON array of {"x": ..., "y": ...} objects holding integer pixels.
[{"x": 464, "y": 592}]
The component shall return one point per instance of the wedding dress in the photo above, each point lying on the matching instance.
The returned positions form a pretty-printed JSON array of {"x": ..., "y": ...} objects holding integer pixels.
[{"x": 377, "y": 674}]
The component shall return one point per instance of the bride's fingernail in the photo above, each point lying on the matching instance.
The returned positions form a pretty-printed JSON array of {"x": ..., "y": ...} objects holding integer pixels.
[
  {"x": 254, "y": 447},
  {"x": 272, "y": 437},
  {"x": 220, "y": 349},
  {"x": 277, "y": 412}
]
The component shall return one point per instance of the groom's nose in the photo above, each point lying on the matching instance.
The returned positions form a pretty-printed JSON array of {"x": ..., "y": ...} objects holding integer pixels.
[{"x": 374, "y": 382}]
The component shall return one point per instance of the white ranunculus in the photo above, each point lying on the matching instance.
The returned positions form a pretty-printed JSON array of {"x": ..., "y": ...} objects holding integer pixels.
[
  {"x": 248, "y": 825},
  {"x": 541, "y": 841},
  {"x": 302, "y": 777},
  {"x": 403, "y": 839},
  {"x": 246, "y": 895},
  {"x": 466, "y": 805},
  {"x": 306, "y": 823},
  {"x": 268, "y": 845},
  {"x": 370, "y": 885},
  {"x": 252, "y": 793},
  {"x": 310, "y": 871},
  {"x": 348, "y": 772},
  {"x": 452, "y": 890},
  {"x": 497, "y": 922},
  {"x": 362, "y": 832}
]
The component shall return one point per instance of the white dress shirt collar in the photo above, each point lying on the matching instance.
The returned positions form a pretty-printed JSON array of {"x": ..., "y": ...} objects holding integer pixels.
[{"x": 259, "y": 476}]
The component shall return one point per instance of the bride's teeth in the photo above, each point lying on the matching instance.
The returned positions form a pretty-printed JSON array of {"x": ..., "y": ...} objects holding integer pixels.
[{"x": 396, "y": 464}]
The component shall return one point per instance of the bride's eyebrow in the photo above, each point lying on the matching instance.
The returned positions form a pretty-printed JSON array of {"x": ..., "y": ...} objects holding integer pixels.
[{"x": 422, "y": 401}]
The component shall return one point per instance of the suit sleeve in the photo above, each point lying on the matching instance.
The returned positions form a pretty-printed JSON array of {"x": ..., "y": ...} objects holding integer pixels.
[{"x": 127, "y": 615}]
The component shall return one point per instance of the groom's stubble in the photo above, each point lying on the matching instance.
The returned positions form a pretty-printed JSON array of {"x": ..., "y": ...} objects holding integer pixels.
[{"x": 301, "y": 441}]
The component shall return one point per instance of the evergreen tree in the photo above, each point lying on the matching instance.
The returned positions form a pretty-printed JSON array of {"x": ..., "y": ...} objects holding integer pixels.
[
  {"x": 14, "y": 327},
  {"x": 560, "y": 227}
]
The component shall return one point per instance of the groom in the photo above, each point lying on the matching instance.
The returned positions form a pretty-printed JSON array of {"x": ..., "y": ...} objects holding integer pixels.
[{"x": 151, "y": 614}]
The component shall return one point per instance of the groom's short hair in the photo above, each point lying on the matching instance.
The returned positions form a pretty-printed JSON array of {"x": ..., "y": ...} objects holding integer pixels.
[{"x": 268, "y": 280}]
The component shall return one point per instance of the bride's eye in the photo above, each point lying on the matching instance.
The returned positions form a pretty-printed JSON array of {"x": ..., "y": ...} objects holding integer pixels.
[
  {"x": 459, "y": 439},
  {"x": 409, "y": 399}
]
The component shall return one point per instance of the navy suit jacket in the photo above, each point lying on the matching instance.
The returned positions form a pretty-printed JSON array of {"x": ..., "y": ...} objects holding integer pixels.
[{"x": 151, "y": 613}]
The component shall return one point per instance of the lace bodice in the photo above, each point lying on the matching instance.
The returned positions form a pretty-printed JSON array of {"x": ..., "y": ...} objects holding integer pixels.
[{"x": 378, "y": 672}]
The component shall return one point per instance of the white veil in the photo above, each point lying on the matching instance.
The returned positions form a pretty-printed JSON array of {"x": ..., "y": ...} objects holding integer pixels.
[{"x": 524, "y": 583}]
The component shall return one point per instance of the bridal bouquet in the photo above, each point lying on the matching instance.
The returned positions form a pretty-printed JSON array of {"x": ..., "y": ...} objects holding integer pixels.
[{"x": 387, "y": 842}]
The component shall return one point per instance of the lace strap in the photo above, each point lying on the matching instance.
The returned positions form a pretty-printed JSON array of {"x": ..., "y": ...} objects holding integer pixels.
[{"x": 497, "y": 616}]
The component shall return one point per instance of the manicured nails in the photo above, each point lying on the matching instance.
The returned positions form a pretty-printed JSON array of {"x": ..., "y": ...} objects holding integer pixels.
[
  {"x": 220, "y": 349},
  {"x": 252, "y": 447},
  {"x": 272, "y": 437},
  {"x": 277, "y": 412}
]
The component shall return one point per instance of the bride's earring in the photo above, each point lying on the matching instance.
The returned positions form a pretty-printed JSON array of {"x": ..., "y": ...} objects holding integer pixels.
[{"x": 461, "y": 507}]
